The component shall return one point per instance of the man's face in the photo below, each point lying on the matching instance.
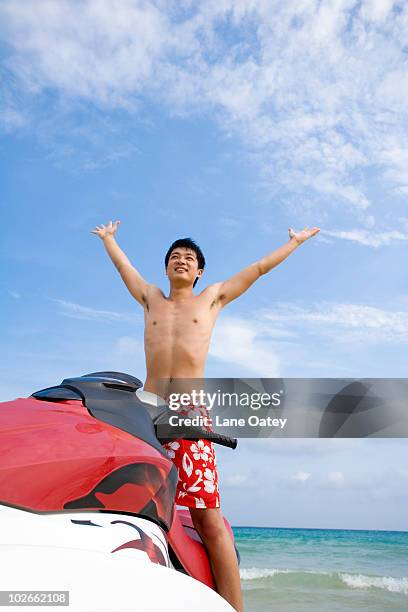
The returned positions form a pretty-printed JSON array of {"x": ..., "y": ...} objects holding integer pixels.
[{"x": 182, "y": 268}]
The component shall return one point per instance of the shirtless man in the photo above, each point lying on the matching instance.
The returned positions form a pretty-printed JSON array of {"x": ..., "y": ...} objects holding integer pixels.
[{"x": 177, "y": 336}]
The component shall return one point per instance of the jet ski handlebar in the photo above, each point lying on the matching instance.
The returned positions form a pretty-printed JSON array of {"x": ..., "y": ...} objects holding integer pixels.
[
  {"x": 216, "y": 438},
  {"x": 199, "y": 433},
  {"x": 166, "y": 429},
  {"x": 165, "y": 432}
]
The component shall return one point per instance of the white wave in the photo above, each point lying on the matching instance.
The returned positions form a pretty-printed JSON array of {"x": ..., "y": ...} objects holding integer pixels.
[
  {"x": 359, "y": 581},
  {"x": 253, "y": 573}
]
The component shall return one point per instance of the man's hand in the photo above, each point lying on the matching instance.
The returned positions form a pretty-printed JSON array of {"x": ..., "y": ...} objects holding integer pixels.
[
  {"x": 103, "y": 232},
  {"x": 236, "y": 285},
  {"x": 304, "y": 234},
  {"x": 131, "y": 277}
]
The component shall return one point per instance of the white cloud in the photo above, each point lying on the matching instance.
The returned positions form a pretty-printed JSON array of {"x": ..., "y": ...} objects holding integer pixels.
[
  {"x": 317, "y": 91},
  {"x": 395, "y": 159},
  {"x": 369, "y": 238},
  {"x": 336, "y": 478},
  {"x": 343, "y": 322},
  {"x": 104, "y": 54},
  {"x": 301, "y": 476},
  {"x": 238, "y": 341},
  {"x": 376, "y": 10},
  {"x": 76, "y": 311},
  {"x": 275, "y": 339}
]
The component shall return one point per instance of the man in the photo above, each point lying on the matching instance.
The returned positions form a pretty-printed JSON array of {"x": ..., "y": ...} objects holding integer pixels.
[{"x": 177, "y": 336}]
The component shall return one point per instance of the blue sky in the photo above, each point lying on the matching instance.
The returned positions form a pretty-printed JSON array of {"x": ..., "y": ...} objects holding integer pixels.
[{"x": 228, "y": 122}]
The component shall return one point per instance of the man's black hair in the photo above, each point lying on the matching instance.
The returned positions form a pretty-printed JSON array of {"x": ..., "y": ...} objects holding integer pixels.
[{"x": 187, "y": 243}]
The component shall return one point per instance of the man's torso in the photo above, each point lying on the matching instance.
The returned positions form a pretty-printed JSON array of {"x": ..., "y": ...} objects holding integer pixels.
[{"x": 177, "y": 335}]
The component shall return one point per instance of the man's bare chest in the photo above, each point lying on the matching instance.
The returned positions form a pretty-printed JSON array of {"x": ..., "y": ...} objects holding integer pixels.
[{"x": 164, "y": 314}]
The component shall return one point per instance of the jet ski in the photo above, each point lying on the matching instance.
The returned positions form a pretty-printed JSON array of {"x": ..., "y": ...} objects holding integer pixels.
[{"x": 87, "y": 501}]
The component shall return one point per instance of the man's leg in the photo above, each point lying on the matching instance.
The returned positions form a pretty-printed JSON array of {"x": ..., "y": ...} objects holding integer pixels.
[{"x": 224, "y": 564}]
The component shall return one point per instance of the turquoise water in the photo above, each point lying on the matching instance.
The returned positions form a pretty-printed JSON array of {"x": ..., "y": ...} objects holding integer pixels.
[{"x": 323, "y": 570}]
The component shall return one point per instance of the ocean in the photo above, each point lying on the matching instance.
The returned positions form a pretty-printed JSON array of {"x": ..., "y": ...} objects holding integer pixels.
[{"x": 323, "y": 570}]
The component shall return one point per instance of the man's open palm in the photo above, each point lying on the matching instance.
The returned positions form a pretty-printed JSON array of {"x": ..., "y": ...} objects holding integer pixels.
[
  {"x": 109, "y": 230},
  {"x": 304, "y": 234}
]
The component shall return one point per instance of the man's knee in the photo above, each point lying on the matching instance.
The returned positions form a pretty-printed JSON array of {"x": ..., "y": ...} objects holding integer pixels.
[{"x": 208, "y": 522}]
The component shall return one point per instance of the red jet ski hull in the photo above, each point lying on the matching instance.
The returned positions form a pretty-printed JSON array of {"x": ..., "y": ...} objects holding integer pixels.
[{"x": 57, "y": 457}]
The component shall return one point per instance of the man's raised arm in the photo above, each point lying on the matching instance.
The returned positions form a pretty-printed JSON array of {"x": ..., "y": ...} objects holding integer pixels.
[
  {"x": 130, "y": 276},
  {"x": 236, "y": 285}
]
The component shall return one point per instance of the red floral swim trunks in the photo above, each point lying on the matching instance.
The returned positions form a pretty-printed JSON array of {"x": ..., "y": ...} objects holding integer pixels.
[{"x": 196, "y": 464}]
